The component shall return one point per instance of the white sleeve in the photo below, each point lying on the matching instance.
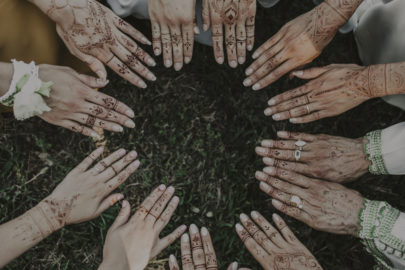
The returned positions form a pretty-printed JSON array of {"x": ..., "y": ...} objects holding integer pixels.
[
  {"x": 268, "y": 3},
  {"x": 125, "y": 8},
  {"x": 386, "y": 150}
]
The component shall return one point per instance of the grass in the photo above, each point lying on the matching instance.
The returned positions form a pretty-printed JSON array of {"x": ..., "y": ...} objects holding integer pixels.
[{"x": 195, "y": 129}]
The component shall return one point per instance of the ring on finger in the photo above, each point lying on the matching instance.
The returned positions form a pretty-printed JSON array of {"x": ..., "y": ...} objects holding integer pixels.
[
  {"x": 115, "y": 171},
  {"x": 104, "y": 164},
  {"x": 300, "y": 144},
  {"x": 296, "y": 201},
  {"x": 297, "y": 155}
]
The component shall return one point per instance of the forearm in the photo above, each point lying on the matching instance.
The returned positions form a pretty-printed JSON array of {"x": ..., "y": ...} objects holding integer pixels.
[
  {"x": 386, "y": 79},
  {"x": 343, "y": 8},
  {"x": 6, "y": 75},
  {"x": 24, "y": 232}
]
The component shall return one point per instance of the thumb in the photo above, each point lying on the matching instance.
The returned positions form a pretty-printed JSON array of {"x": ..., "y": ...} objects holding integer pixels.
[
  {"x": 123, "y": 215},
  {"x": 310, "y": 73}
]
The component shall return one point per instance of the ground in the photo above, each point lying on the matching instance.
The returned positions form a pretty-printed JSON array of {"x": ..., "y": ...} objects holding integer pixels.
[{"x": 195, "y": 129}]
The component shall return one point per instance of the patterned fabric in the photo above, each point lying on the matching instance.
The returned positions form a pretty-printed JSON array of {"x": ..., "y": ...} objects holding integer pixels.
[
  {"x": 373, "y": 151},
  {"x": 376, "y": 222}
]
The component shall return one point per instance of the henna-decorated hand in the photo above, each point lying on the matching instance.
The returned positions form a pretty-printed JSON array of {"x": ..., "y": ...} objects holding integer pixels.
[
  {"x": 75, "y": 105},
  {"x": 238, "y": 19},
  {"x": 272, "y": 249},
  {"x": 322, "y": 205},
  {"x": 132, "y": 242},
  {"x": 173, "y": 27},
  {"x": 95, "y": 35},
  {"x": 297, "y": 43},
  {"x": 333, "y": 90},
  {"x": 325, "y": 157},
  {"x": 85, "y": 193}
]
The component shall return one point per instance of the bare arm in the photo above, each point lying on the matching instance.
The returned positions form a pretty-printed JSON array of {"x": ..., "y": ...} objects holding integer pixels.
[{"x": 6, "y": 75}]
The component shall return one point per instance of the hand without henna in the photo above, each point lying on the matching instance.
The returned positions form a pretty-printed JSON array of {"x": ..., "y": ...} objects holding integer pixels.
[
  {"x": 131, "y": 242},
  {"x": 76, "y": 106},
  {"x": 238, "y": 19},
  {"x": 322, "y": 205},
  {"x": 336, "y": 159},
  {"x": 274, "y": 248}
]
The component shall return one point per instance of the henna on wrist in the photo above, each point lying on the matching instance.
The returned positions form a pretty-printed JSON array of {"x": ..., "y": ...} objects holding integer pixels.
[{"x": 344, "y": 8}]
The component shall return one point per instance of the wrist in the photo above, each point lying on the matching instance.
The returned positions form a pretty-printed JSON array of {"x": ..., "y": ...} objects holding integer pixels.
[
  {"x": 343, "y": 9},
  {"x": 51, "y": 214},
  {"x": 335, "y": 19},
  {"x": 363, "y": 163}
]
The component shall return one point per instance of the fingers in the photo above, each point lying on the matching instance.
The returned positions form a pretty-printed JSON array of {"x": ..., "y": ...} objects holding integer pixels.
[
  {"x": 132, "y": 47},
  {"x": 106, "y": 162},
  {"x": 233, "y": 266},
  {"x": 296, "y": 112},
  {"x": 287, "y": 165},
  {"x": 310, "y": 73},
  {"x": 206, "y": 15},
  {"x": 167, "y": 46},
  {"x": 197, "y": 248},
  {"x": 75, "y": 127},
  {"x": 90, "y": 81},
  {"x": 188, "y": 42},
  {"x": 159, "y": 206},
  {"x": 156, "y": 41},
  {"x": 104, "y": 112},
  {"x": 118, "y": 166},
  {"x": 108, "y": 202},
  {"x": 241, "y": 42},
  {"x": 210, "y": 256},
  {"x": 276, "y": 74},
  {"x": 122, "y": 177},
  {"x": 296, "y": 136},
  {"x": 123, "y": 70},
  {"x": 177, "y": 44},
  {"x": 165, "y": 217},
  {"x": 130, "y": 30},
  {"x": 230, "y": 42},
  {"x": 268, "y": 44},
  {"x": 310, "y": 117},
  {"x": 86, "y": 163},
  {"x": 173, "y": 265},
  {"x": 186, "y": 256},
  {"x": 282, "y": 179},
  {"x": 268, "y": 66},
  {"x": 268, "y": 229},
  {"x": 284, "y": 229},
  {"x": 123, "y": 215},
  {"x": 218, "y": 40},
  {"x": 282, "y": 154},
  {"x": 289, "y": 107},
  {"x": 168, "y": 240},
  {"x": 111, "y": 104},
  {"x": 276, "y": 194},
  {"x": 149, "y": 202},
  {"x": 250, "y": 29},
  {"x": 92, "y": 121},
  {"x": 292, "y": 211}
]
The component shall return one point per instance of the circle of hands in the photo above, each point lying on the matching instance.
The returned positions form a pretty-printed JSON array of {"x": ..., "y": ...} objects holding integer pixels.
[{"x": 95, "y": 35}]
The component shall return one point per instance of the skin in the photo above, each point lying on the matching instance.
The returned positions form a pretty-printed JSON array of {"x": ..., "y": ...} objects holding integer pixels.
[
  {"x": 273, "y": 248},
  {"x": 336, "y": 159},
  {"x": 326, "y": 206},
  {"x": 197, "y": 252},
  {"x": 95, "y": 35},
  {"x": 83, "y": 195},
  {"x": 237, "y": 17},
  {"x": 132, "y": 242},
  {"x": 298, "y": 43},
  {"x": 173, "y": 28},
  {"x": 335, "y": 89}
]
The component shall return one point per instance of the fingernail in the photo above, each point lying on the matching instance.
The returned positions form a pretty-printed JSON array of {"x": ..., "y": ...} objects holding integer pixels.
[
  {"x": 298, "y": 73},
  {"x": 277, "y": 116},
  {"x": 293, "y": 120},
  {"x": 263, "y": 186},
  {"x": 151, "y": 62},
  {"x": 241, "y": 60},
  {"x": 136, "y": 164},
  {"x": 268, "y": 112},
  {"x": 118, "y": 128},
  {"x": 151, "y": 77},
  {"x": 187, "y": 59},
  {"x": 124, "y": 203},
  {"x": 205, "y": 27},
  {"x": 259, "y": 175},
  {"x": 130, "y": 113},
  {"x": 269, "y": 170},
  {"x": 193, "y": 228},
  {"x": 233, "y": 64},
  {"x": 175, "y": 199},
  {"x": 247, "y": 82},
  {"x": 220, "y": 60},
  {"x": 100, "y": 74},
  {"x": 248, "y": 71},
  {"x": 170, "y": 189},
  {"x": 183, "y": 228},
  {"x": 168, "y": 63},
  {"x": 121, "y": 152},
  {"x": 254, "y": 214},
  {"x": 238, "y": 227},
  {"x": 282, "y": 134},
  {"x": 146, "y": 41},
  {"x": 255, "y": 55},
  {"x": 177, "y": 66},
  {"x": 268, "y": 161},
  {"x": 133, "y": 154},
  {"x": 142, "y": 84},
  {"x": 267, "y": 143},
  {"x": 276, "y": 218},
  {"x": 162, "y": 187},
  {"x": 156, "y": 51},
  {"x": 249, "y": 47},
  {"x": 130, "y": 124},
  {"x": 196, "y": 30},
  {"x": 261, "y": 150},
  {"x": 235, "y": 266},
  {"x": 256, "y": 87},
  {"x": 276, "y": 203},
  {"x": 204, "y": 231},
  {"x": 243, "y": 217},
  {"x": 271, "y": 102},
  {"x": 184, "y": 238},
  {"x": 172, "y": 258}
]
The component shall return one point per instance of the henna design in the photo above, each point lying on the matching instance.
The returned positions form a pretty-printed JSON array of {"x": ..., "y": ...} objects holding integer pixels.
[
  {"x": 123, "y": 69},
  {"x": 186, "y": 259},
  {"x": 228, "y": 12},
  {"x": 177, "y": 39},
  {"x": 90, "y": 120},
  {"x": 97, "y": 110},
  {"x": 344, "y": 8},
  {"x": 187, "y": 44},
  {"x": 295, "y": 261},
  {"x": 110, "y": 103},
  {"x": 57, "y": 210}
]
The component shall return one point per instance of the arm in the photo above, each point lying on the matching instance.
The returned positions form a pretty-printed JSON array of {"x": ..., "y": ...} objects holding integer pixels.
[{"x": 6, "y": 75}]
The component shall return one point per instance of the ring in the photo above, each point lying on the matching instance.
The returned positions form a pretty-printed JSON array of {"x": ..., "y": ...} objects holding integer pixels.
[
  {"x": 112, "y": 167},
  {"x": 103, "y": 164},
  {"x": 296, "y": 201},
  {"x": 300, "y": 144},
  {"x": 297, "y": 155},
  {"x": 308, "y": 110}
]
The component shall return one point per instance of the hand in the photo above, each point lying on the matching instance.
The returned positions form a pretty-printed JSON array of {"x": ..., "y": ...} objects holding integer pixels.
[
  {"x": 298, "y": 43},
  {"x": 173, "y": 23},
  {"x": 336, "y": 159},
  {"x": 322, "y": 205},
  {"x": 75, "y": 105},
  {"x": 85, "y": 193},
  {"x": 238, "y": 18},
  {"x": 132, "y": 242},
  {"x": 334, "y": 89},
  {"x": 272, "y": 249},
  {"x": 95, "y": 35}
]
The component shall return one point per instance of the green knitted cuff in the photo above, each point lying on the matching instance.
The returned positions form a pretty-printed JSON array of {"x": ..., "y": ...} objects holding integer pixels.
[{"x": 372, "y": 149}]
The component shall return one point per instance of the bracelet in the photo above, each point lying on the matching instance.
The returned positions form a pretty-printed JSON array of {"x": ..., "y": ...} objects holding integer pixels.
[{"x": 373, "y": 151}]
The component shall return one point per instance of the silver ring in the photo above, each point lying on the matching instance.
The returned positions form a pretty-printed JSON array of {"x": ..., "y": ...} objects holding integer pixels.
[
  {"x": 297, "y": 155},
  {"x": 296, "y": 201},
  {"x": 308, "y": 110},
  {"x": 300, "y": 144}
]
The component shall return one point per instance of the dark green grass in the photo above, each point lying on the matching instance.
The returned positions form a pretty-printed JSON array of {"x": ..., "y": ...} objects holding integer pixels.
[{"x": 196, "y": 129}]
